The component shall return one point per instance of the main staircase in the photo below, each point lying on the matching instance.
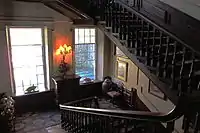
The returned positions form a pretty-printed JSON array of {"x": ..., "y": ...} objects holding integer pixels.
[{"x": 170, "y": 63}]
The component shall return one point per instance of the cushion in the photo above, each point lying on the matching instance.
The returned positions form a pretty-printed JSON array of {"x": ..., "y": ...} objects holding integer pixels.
[{"x": 113, "y": 94}]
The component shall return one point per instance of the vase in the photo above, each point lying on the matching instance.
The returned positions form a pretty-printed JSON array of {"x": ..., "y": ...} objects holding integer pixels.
[{"x": 106, "y": 85}]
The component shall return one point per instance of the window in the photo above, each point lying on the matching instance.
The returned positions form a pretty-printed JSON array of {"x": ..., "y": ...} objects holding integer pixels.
[
  {"x": 85, "y": 55},
  {"x": 27, "y": 56}
]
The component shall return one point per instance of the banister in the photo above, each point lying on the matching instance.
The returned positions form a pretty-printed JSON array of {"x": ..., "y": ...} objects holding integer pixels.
[
  {"x": 79, "y": 13},
  {"x": 174, "y": 114},
  {"x": 79, "y": 101},
  {"x": 156, "y": 25}
]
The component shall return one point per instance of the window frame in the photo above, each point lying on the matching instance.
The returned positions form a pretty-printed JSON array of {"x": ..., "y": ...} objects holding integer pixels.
[
  {"x": 44, "y": 35},
  {"x": 96, "y": 54}
]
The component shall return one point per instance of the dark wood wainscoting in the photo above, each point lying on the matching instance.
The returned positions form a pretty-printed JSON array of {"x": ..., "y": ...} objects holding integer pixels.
[
  {"x": 41, "y": 101},
  {"x": 35, "y": 102}
]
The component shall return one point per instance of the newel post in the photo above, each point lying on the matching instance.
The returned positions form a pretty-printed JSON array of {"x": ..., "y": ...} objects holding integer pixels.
[{"x": 133, "y": 96}]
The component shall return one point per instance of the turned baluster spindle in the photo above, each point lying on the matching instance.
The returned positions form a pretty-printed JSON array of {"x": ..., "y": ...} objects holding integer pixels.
[
  {"x": 113, "y": 17},
  {"x": 106, "y": 13},
  {"x": 160, "y": 57},
  {"x": 143, "y": 51},
  {"x": 137, "y": 45},
  {"x": 170, "y": 127},
  {"x": 103, "y": 10},
  {"x": 173, "y": 75},
  {"x": 117, "y": 17},
  {"x": 197, "y": 123},
  {"x": 181, "y": 78},
  {"x": 126, "y": 126},
  {"x": 189, "y": 89},
  {"x": 129, "y": 30},
  {"x": 134, "y": 3},
  {"x": 147, "y": 46},
  {"x": 186, "y": 123},
  {"x": 120, "y": 22},
  {"x": 124, "y": 24},
  {"x": 166, "y": 58},
  {"x": 110, "y": 14},
  {"x": 153, "y": 48},
  {"x": 132, "y": 31}
]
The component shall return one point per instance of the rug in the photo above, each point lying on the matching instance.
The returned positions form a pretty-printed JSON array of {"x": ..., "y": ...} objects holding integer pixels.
[{"x": 34, "y": 121}]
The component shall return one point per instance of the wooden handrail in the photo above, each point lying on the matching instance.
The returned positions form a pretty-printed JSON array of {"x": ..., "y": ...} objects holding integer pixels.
[
  {"x": 174, "y": 114},
  {"x": 79, "y": 101},
  {"x": 69, "y": 7}
]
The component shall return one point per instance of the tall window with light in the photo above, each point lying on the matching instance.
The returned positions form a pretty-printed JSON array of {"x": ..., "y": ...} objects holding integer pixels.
[
  {"x": 27, "y": 56},
  {"x": 85, "y": 52}
]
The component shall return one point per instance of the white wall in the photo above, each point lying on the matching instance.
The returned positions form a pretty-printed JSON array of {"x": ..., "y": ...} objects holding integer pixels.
[
  {"x": 25, "y": 14},
  {"x": 104, "y": 58},
  {"x": 190, "y": 7},
  {"x": 134, "y": 74}
]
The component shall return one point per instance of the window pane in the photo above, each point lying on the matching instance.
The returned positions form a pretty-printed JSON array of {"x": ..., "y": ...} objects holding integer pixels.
[
  {"x": 81, "y": 32},
  {"x": 38, "y": 61},
  {"x": 39, "y": 69},
  {"x": 85, "y": 54},
  {"x": 40, "y": 79},
  {"x": 24, "y": 36},
  {"x": 92, "y": 32},
  {"x": 87, "y": 39},
  {"x": 81, "y": 39},
  {"x": 41, "y": 87},
  {"x": 92, "y": 40},
  {"x": 87, "y": 32},
  {"x": 27, "y": 59},
  {"x": 76, "y": 36}
]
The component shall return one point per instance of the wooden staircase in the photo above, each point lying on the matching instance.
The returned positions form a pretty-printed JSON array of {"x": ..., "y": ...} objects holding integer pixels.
[{"x": 169, "y": 62}]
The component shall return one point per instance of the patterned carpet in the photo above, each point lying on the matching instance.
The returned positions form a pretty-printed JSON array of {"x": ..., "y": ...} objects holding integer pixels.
[
  {"x": 37, "y": 122},
  {"x": 49, "y": 122}
]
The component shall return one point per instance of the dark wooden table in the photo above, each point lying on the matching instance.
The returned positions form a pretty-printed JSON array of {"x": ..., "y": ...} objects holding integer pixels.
[
  {"x": 66, "y": 88},
  {"x": 70, "y": 89}
]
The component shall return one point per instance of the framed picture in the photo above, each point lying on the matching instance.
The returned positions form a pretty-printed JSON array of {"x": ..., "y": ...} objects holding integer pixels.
[
  {"x": 154, "y": 90},
  {"x": 122, "y": 70}
]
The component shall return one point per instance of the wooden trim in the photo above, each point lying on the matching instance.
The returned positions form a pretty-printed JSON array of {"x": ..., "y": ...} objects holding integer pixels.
[
  {"x": 175, "y": 114},
  {"x": 125, "y": 69}
]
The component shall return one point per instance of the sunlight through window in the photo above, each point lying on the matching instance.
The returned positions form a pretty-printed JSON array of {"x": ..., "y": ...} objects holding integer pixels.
[
  {"x": 85, "y": 49},
  {"x": 27, "y": 59}
]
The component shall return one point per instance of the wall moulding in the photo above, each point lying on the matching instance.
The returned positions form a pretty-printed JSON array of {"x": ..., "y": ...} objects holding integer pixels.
[{"x": 26, "y": 18}]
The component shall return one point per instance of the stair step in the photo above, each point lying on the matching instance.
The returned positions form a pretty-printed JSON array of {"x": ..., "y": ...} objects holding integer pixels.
[
  {"x": 102, "y": 22},
  {"x": 108, "y": 28},
  {"x": 123, "y": 41},
  {"x": 141, "y": 59},
  {"x": 115, "y": 34},
  {"x": 132, "y": 50},
  {"x": 152, "y": 69}
]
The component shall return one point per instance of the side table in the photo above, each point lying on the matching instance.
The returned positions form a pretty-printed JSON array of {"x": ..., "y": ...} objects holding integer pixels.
[{"x": 66, "y": 88}]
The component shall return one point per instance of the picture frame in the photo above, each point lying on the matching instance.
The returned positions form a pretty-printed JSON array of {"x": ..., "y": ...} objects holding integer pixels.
[
  {"x": 155, "y": 91},
  {"x": 122, "y": 70}
]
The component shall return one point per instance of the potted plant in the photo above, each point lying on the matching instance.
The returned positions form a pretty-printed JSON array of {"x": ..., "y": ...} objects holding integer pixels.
[{"x": 7, "y": 116}]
